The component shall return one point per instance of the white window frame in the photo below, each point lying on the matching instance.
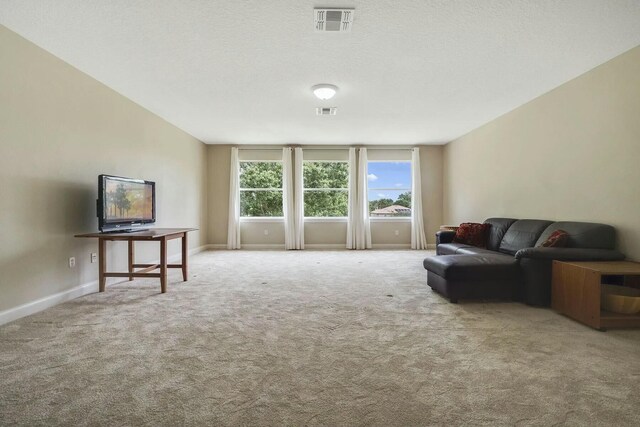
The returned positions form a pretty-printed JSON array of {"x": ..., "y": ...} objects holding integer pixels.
[
  {"x": 305, "y": 189},
  {"x": 390, "y": 218},
  {"x": 262, "y": 218}
]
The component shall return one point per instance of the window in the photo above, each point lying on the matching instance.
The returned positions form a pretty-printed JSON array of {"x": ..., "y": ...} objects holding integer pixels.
[
  {"x": 389, "y": 189},
  {"x": 326, "y": 189},
  {"x": 261, "y": 189}
]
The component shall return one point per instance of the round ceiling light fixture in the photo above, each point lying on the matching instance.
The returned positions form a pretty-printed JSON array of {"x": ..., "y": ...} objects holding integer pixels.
[{"x": 324, "y": 91}]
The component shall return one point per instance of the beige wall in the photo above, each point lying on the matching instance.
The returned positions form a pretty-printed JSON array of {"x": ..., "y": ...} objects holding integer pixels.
[
  {"x": 60, "y": 129},
  {"x": 571, "y": 154},
  {"x": 321, "y": 233}
]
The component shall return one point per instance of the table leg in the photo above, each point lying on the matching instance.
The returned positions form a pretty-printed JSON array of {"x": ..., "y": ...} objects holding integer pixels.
[
  {"x": 163, "y": 265},
  {"x": 131, "y": 259},
  {"x": 102, "y": 264},
  {"x": 185, "y": 257}
]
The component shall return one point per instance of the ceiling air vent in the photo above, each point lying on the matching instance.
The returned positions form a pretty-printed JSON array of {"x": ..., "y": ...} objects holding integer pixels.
[
  {"x": 333, "y": 19},
  {"x": 326, "y": 111}
]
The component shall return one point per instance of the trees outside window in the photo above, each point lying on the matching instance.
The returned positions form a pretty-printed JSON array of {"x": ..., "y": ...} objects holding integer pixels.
[
  {"x": 389, "y": 189},
  {"x": 261, "y": 189},
  {"x": 326, "y": 189}
]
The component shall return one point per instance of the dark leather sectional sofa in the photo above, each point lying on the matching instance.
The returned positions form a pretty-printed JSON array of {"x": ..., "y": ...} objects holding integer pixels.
[{"x": 514, "y": 265}]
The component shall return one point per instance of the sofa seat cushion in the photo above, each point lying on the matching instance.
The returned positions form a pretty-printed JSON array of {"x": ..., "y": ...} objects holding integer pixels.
[
  {"x": 450, "y": 248},
  {"x": 470, "y": 250},
  {"x": 473, "y": 267}
]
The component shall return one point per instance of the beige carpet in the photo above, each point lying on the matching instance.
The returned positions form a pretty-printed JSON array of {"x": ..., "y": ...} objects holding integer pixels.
[{"x": 310, "y": 338}]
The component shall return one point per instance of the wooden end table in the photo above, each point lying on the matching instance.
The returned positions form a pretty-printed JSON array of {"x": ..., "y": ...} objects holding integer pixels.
[
  {"x": 576, "y": 289},
  {"x": 161, "y": 235}
]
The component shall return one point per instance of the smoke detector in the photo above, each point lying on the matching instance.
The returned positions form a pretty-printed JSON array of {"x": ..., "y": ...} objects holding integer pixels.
[
  {"x": 326, "y": 111},
  {"x": 338, "y": 20}
]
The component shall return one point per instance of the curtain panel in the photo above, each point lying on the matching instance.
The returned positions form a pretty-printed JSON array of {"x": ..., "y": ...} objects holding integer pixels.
[
  {"x": 298, "y": 180},
  {"x": 352, "y": 216},
  {"x": 233, "y": 233},
  {"x": 288, "y": 199},
  {"x": 418, "y": 240}
]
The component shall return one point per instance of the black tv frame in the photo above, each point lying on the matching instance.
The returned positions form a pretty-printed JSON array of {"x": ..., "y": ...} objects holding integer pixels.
[{"x": 121, "y": 226}]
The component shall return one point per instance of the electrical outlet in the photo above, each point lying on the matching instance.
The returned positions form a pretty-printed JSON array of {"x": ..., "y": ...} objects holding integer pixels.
[
  {"x": 72, "y": 262},
  {"x": 397, "y": 232},
  {"x": 94, "y": 257},
  {"x": 266, "y": 232}
]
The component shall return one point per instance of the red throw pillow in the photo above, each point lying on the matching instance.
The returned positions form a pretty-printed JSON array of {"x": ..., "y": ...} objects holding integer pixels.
[
  {"x": 557, "y": 239},
  {"x": 471, "y": 233}
]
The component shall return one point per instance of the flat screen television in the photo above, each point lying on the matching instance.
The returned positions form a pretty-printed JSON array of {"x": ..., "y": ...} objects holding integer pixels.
[{"x": 125, "y": 204}]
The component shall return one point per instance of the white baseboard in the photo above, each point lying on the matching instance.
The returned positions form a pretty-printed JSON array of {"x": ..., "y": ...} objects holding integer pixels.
[
  {"x": 325, "y": 246},
  {"x": 215, "y": 246},
  {"x": 36, "y": 306},
  {"x": 317, "y": 246},
  {"x": 197, "y": 250},
  {"x": 262, "y": 246}
]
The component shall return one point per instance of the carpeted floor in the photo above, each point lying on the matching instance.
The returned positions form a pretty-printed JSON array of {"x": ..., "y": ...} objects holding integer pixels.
[{"x": 310, "y": 338}]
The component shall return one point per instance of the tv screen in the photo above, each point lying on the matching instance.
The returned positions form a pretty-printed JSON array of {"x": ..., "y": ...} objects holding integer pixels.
[{"x": 124, "y": 203}]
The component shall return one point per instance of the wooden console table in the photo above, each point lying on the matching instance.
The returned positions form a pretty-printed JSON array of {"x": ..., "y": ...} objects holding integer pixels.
[
  {"x": 576, "y": 289},
  {"x": 161, "y": 235}
]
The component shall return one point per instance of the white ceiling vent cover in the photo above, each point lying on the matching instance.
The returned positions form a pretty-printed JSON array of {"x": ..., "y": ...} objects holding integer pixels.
[
  {"x": 333, "y": 19},
  {"x": 326, "y": 111}
]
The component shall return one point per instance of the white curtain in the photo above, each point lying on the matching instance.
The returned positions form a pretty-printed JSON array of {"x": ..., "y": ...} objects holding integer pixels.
[
  {"x": 418, "y": 241},
  {"x": 364, "y": 234},
  {"x": 358, "y": 226},
  {"x": 288, "y": 199},
  {"x": 233, "y": 233},
  {"x": 298, "y": 200},
  {"x": 353, "y": 200},
  {"x": 363, "y": 226}
]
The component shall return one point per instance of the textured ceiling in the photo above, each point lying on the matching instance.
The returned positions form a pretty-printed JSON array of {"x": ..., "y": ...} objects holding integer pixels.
[{"x": 411, "y": 71}]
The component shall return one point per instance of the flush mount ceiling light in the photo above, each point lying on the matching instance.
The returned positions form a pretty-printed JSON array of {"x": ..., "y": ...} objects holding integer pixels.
[{"x": 324, "y": 91}]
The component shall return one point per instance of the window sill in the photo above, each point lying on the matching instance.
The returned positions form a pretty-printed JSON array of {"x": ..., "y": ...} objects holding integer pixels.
[
  {"x": 321, "y": 219},
  {"x": 261, "y": 219},
  {"x": 390, "y": 219},
  {"x": 311, "y": 219}
]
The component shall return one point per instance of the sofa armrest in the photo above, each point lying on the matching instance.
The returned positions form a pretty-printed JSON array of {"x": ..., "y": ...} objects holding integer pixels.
[
  {"x": 570, "y": 254},
  {"x": 444, "y": 237}
]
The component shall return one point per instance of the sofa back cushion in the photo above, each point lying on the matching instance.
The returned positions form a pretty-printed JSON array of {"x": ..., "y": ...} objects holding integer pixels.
[
  {"x": 557, "y": 239},
  {"x": 583, "y": 234},
  {"x": 499, "y": 227},
  {"x": 524, "y": 233}
]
